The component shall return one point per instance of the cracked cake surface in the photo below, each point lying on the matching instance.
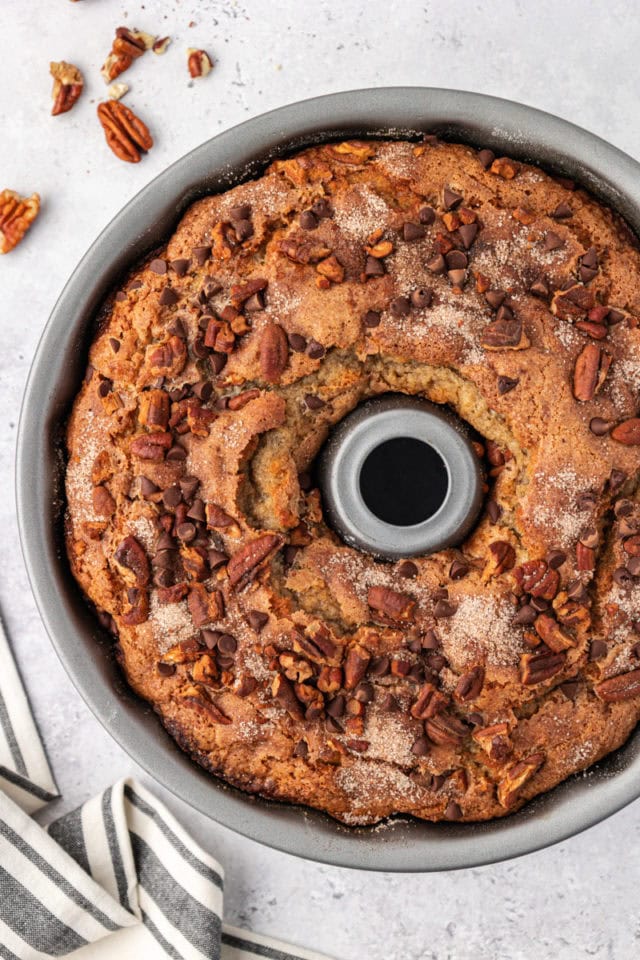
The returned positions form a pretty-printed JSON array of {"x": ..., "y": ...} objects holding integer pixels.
[{"x": 452, "y": 686}]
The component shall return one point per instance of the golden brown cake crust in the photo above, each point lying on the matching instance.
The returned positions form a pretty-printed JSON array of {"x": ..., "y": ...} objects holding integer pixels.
[{"x": 456, "y": 686}]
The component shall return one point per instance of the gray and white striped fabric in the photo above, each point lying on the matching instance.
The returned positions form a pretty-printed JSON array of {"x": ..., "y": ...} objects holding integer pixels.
[{"x": 116, "y": 877}]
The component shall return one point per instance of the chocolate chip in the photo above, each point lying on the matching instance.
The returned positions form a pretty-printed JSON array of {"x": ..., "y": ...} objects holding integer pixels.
[
  {"x": 168, "y": 297},
  {"x": 569, "y": 688},
  {"x": 451, "y": 199},
  {"x": 241, "y": 211},
  {"x": 172, "y": 496},
  {"x": 555, "y": 558},
  {"x": 147, "y": 488},
  {"x": 426, "y": 215},
  {"x": 189, "y": 485},
  {"x": 217, "y": 558},
  {"x": 444, "y": 609},
  {"x": 315, "y": 350},
  {"x": 373, "y": 267},
  {"x": 453, "y": 811},
  {"x": 421, "y": 297},
  {"x": 456, "y": 260},
  {"x": 587, "y": 273},
  {"x": 165, "y": 542},
  {"x": 504, "y": 313},
  {"x": 400, "y": 306},
  {"x": 104, "y": 388},
  {"x": 506, "y": 384},
  {"x": 421, "y": 747},
  {"x": 371, "y": 319},
  {"x": 412, "y": 231},
  {"x": 186, "y": 532},
  {"x": 525, "y": 616},
  {"x": 457, "y": 277},
  {"x": 257, "y": 619},
  {"x": 176, "y": 328},
  {"x": 180, "y": 266},
  {"x": 539, "y": 604},
  {"x": 494, "y": 510},
  {"x": 165, "y": 669},
  {"x": 388, "y": 703},
  {"x": 468, "y": 233},
  {"x": 321, "y": 208},
  {"x": 430, "y": 641},
  {"x": 225, "y": 663},
  {"x": 436, "y": 662},
  {"x": 158, "y": 266},
  {"x": 614, "y": 317},
  {"x": 576, "y": 590},
  {"x": 203, "y": 390},
  {"x": 308, "y": 220},
  {"x": 407, "y": 569},
  {"x": 437, "y": 264},
  {"x": 476, "y": 719},
  {"x": 305, "y": 481},
  {"x": 297, "y": 343},
  {"x": 289, "y": 554},
  {"x": 562, "y": 212},
  {"x": 379, "y": 667},
  {"x": 227, "y": 644},
  {"x": 495, "y": 298},
  {"x": 177, "y": 453},
  {"x": 600, "y": 427},
  {"x": 590, "y": 538},
  {"x": 617, "y": 479},
  {"x": 114, "y": 344},
  {"x": 597, "y": 650},
  {"x": 332, "y": 725},
  {"x": 458, "y": 570},
  {"x": 540, "y": 289},
  {"x": 622, "y": 577},
  {"x": 552, "y": 241},
  {"x": 243, "y": 229},
  {"x": 120, "y": 296},
  {"x": 197, "y": 512},
  {"x": 363, "y": 693},
  {"x": 201, "y": 255},
  {"x": 486, "y": 158},
  {"x": 633, "y": 566},
  {"x": 313, "y": 402}
]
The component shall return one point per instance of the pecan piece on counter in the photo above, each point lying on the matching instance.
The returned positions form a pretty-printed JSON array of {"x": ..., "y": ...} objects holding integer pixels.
[
  {"x": 274, "y": 352},
  {"x": 590, "y": 372},
  {"x": 128, "y": 45},
  {"x": 132, "y": 562},
  {"x": 247, "y": 561},
  {"x": 16, "y": 216},
  {"x": 391, "y": 603},
  {"x": 627, "y": 432},
  {"x": 126, "y": 135},
  {"x": 518, "y": 775},
  {"x": 198, "y": 62},
  {"x": 68, "y": 83},
  {"x": 625, "y": 686},
  {"x": 494, "y": 740}
]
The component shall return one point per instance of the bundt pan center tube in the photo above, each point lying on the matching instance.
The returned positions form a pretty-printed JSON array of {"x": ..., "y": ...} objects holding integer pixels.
[{"x": 60, "y": 362}]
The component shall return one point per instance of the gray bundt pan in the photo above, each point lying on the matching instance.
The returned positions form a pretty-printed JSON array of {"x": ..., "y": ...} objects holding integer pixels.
[{"x": 59, "y": 364}]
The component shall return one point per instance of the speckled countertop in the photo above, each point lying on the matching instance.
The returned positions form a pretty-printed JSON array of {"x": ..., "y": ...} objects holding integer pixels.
[{"x": 578, "y": 899}]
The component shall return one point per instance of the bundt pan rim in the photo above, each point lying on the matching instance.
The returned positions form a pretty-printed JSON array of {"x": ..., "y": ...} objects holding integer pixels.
[{"x": 405, "y": 845}]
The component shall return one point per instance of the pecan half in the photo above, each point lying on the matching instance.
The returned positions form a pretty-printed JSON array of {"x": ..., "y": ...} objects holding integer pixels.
[
  {"x": 103, "y": 503},
  {"x": 444, "y": 729},
  {"x": 196, "y": 698},
  {"x": 627, "y": 432},
  {"x": 132, "y": 562},
  {"x": 67, "y": 86},
  {"x": 626, "y": 686},
  {"x": 126, "y": 135},
  {"x": 355, "y": 666},
  {"x": 574, "y": 303},
  {"x": 16, "y": 216},
  {"x": 585, "y": 557},
  {"x": 245, "y": 562},
  {"x": 167, "y": 358},
  {"x": 494, "y": 740},
  {"x": 151, "y": 446},
  {"x": 430, "y": 702},
  {"x": 590, "y": 372},
  {"x": 391, "y": 603},
  {"x": 537, "y": 578},
  {"x": 518, "y": 775},
  {"x": 199, "y": 63},
  {"x": 470, "y": 685},
  {"x": 204, "y": 607},
  {"x": 538, "y": 667},
  {"x": 502, "y": 557},
  {"x": 550, "y": 631},
  {"x": 137, "y": 610},
  {"x": 282, "y": 691},
  {"x": 505, "y": 334},
  {"x": 274, "y": 352},
  {"x": 154, "y": 410},
  {"x": 316, "y": 643}
]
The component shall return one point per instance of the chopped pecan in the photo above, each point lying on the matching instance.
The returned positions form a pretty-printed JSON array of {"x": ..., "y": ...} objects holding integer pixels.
[
  {"x": 627, "y": 432},
  {"x": 199, "y": 63},
  {"x": 470, "y": 685},
  {"x": 625, "y": 686},
  {"x": 517, "y": 776},
  {"x": 316, "y": 643},
  {"x": 571, "y": 613},
  {"x": 199, "y": 418},
  {"x": 151, "y": 446},
  {"x": 242, "y": 399},
  {"x": 195, "y": 562},
  {"x": 355, "y": 666},
  {"x": 444, "y": 729},
  {"x": 241, "y": 292},
  {"x": 137, "y": 610},
  {"x": 331, "y": 268},
  {"x": 590, "y": 372},
  {"x": 174, "y": 594},
  {"x": 538, "y": 667},
  {"x": 352, "y": 151},
  {"x": 330, "y": 679},
  {"x": 585, "y": 557},
  {"x": 550, "y": 631},
  {"x": 274, "y": 352},
  {"x": 502, "y": 557},
  {"x": 219, "y": 336},
  {"x": 205, "y": 669},
  {"x": 67, "y": 86},
  {"x": 204, "y": 606},
  {"x": 168, "y": 358},
  {"x": 391, "y": 603},
  {"x": 196, "y": 698},
  {"x": 187, "y": 651},
  {"x": 504, "y": 334},
  {"x": 132, "y": 562},
  {"x": 125, "y": 133},
  {"x": 246, "y": 562},
  {"x": 282, "y": 691},
  {"x": 102, "y": 468},
  {"x": 537, "y": 578},
  {"x": 574, "y": 303},
  {"x": 303, "y": 251},
  {"x": 494, "y": 740},
  {"x": 295, "y": 668},
  {"x": 217, "y": 518},
  {"x": 103, "y": 503},
  {"x": 154, "y": 409},
  {"x": 16, "y": 216},
  {"x": 430, "y": 702},
  {"x": 505, "y": 167}
]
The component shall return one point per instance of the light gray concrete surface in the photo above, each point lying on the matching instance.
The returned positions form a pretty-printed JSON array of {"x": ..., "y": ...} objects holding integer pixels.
[{"x": 576, "y": 900}]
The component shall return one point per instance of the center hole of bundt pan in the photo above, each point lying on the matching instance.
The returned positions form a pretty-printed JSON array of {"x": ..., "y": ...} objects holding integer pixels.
[{"x": 400, "y": 478}]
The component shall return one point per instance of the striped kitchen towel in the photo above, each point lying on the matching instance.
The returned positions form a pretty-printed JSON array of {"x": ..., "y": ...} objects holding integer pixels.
[{"x": 117, "y": 877}]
